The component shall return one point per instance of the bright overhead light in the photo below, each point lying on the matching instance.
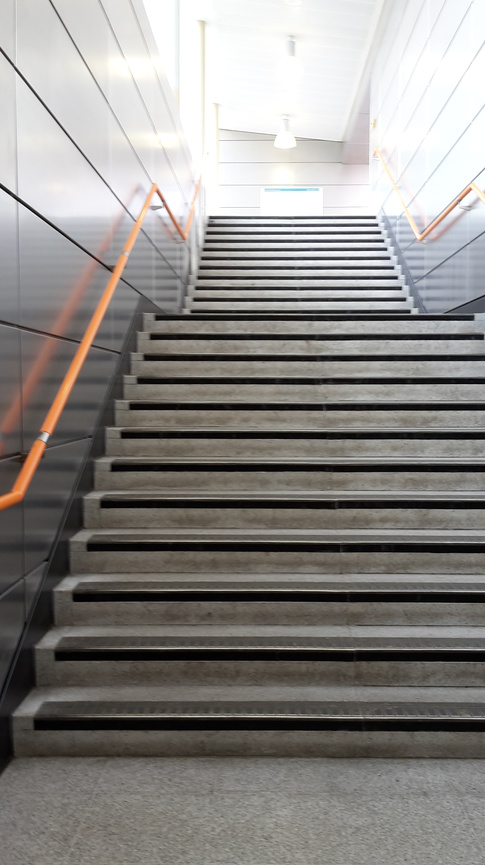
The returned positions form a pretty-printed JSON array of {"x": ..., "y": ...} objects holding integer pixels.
[
  {"x": 290, "y": 68},
  {"x": 285, "y": 139}
]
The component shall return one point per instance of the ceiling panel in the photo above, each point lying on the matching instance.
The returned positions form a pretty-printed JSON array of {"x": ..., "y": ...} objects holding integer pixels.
[{"x": 246, "y": 42}]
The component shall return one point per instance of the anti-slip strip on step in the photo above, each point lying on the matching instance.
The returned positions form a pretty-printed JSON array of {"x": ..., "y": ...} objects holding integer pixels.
[
  {"x": 278, "y": 546},
  {"x": 318, "y": 316},
  {"x": 313, "y": 337},
  {"x": 299, "y": 266},
  {"x": 206, "y": 465},
  {"x": 273, "y": 286},
  {"x": 228, "y": 502},
  {"x": 361, "y": 357},
  {"x": 264, "y": 715},
  {"x": 289, "y": 231},
  {"x": 256, "y": 380},
  {"x": 313, "y": 435},
  {"x": 297, "y": 593},
  {"x": 202, "y": 405},
  {"x": 288, "y": 648},
  {"x": 203, "y": 300},
  {"x": 290, "y": 255}
]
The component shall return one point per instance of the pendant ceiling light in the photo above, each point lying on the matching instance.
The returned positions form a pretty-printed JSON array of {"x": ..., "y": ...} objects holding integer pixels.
[
  {"x": 285, "y": 139},
  {"x": 290, "y": 68}
]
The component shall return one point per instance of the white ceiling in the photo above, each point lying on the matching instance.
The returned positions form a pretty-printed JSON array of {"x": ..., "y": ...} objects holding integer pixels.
[{"x": 246, "y": 41}]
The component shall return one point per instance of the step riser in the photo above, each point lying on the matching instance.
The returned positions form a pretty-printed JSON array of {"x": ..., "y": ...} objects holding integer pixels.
[
  {"x": 250, "y": 743},
  {"x": 265, "y": 613},
  {"x": 227, "y": 517},
  {"x": 312, "y": 420},
  {"x": 240, "y": 743},
  {"x": 264, "y": 673},
  {"x": 294, "y": 480},
  {"x": 242, "y": 561},
  {"x": 236, "y": 448}
]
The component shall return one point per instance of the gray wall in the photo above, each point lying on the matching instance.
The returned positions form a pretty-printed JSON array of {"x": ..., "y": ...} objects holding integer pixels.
[
  {"x": 428, "y": 102},
  {"x": 248, "y": 161},
  {"x": 83, "y": 135}
]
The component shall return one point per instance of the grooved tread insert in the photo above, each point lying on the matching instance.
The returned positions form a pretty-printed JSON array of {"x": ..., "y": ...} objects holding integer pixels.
[
  {"x": 313, "y": 435},
  {"x": 297, "y": 592},
  {"x": 354, "y": 405},
  {"x": 395, "y": 501},
  {"x": 134, "y": 464},
  {"x": 317, "y": 317},
  {"x": 314, "y": 358},
  {"x": 259, "y": 715},
  {"x": 444, "y": 545},
  {"x": 312, "y": 337},
  {"x": 307, "y": 380},
  {"x": 283, "y": 648}
]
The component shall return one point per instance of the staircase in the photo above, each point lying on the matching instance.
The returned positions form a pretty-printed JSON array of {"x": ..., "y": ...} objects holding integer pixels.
[{"x": 284, "y": 550}]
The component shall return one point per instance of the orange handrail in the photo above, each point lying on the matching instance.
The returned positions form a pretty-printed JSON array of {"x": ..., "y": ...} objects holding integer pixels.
[
  {"x": 421, "y": 235},
  {"x": 34, "y": 456}
]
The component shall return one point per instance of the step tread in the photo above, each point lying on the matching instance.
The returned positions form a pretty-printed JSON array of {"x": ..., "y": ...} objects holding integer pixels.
[
  {"x": 298, "y": 497},
  {"x": 351, "y": 715}
]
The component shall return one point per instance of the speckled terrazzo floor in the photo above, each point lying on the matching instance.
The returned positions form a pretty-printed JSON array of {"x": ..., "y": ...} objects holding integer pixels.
[{"x": 62, "y": 811}]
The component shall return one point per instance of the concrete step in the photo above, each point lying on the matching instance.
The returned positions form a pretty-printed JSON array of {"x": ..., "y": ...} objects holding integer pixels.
[
  {"x": 285, "y": 721},
  {"x": 263, "y": 655},
  {"x": 332, "y": 473},
  {"x": 437, "y": 348},
  {"x": 293, "y": 443},
  {"x": 380, "y": 258},
  {"x": 351, "y": 551},
  {"x": 270, "y": 599},
  {"x": 353, "y": 291},
  {"x": 282, "y": 221},
  {"x": 333, "y": 276},
  {"x": 304, "y": 389},
  {"x": 369, "y": 415},
  {"x": 282, "y": 510},
  {"x": 320, "y": 243},
  {"x": 278, "y": 305},
  {"x": 319, "y": 325},
  {"x": 342, "y": 366}
]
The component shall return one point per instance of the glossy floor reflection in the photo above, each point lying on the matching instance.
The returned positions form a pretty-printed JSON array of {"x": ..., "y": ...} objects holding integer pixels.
[{"x": 62, "y": 811}]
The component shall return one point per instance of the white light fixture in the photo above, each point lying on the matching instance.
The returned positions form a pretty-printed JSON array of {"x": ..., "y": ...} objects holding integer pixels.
[
  {"x": 291, "y": 68},
  {"x": 285, "y": 139}
]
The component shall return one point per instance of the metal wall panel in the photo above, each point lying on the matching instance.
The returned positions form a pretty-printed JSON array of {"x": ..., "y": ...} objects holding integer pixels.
[
  {"x": 9, "y": 265},
  {"x": 55, "y": 178},
  {"x": 60, "y": 284},
  {"x": 12, "y": 618},
  {"x": 82, "y": 409},
  {"x": 8, "y": 138},
  {"x": 10, "y": 385},
  {"x": 32, "y": 584},
  {"x": 47, "y": 498},
  {"x": 82, "y": 137},
  {"x": 431, "y": 124},
  {"x": 11, "y": 529}
]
